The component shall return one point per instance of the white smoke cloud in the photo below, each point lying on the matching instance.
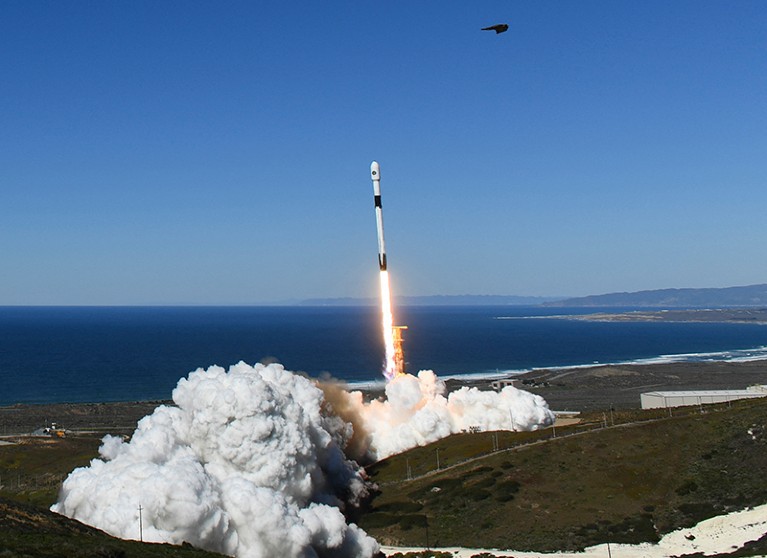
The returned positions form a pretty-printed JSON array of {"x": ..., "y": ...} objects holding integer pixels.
[
  {"x": 246, "y": 464},
  {"x": 250, "y": 461},
  {"x": 416, "y": 412}
]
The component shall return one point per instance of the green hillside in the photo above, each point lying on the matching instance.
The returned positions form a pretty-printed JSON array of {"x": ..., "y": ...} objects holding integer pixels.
[
  {"x": 628, "y": 484},
  {"x": 748, "y": 295},
  {"x": 626, "y": 476},
  {"x": 27, "y": 531}
]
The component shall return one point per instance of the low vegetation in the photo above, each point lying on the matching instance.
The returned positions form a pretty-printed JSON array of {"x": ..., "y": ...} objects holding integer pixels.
[
  {"x": 32, "y": 469},
  {"x": 623, "y": 476},
  {"x": 627, "y": 484},
  {"x": 28, "y": 531}
]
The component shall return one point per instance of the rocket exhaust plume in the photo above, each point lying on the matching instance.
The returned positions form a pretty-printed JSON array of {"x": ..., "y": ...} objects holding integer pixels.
[
  {"x": 247, "y": 462},
  {"x": 250, "y": 461},
  {"x": 394, "y": 360},
  {"x": 390, "y": 369}
]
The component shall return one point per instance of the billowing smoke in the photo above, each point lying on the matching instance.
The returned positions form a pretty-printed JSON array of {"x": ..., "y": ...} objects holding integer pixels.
[
  {"x": 416, "y": 412},
  {"x": 246, "y": 464},
  {"x": 250, "y": 462}
]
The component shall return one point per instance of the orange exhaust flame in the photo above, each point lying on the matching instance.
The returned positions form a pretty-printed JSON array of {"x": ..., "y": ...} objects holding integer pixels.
[{"x": 394, "y": 363}]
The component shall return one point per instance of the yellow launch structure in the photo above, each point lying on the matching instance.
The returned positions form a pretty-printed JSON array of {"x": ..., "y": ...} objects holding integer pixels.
[{"x": 399, "y": 354}]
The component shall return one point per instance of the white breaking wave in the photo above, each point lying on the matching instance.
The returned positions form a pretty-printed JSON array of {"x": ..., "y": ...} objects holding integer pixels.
[
  {"x": 753, "y": 354},
  {"x": 733, "y": 355}
]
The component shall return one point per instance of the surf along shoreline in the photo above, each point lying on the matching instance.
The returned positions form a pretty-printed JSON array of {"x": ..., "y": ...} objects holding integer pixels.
[{"x": 581, "y": 388}]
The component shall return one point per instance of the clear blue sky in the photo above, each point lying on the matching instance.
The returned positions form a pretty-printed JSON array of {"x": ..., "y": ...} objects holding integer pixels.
[{"x": 156, "y": 152}]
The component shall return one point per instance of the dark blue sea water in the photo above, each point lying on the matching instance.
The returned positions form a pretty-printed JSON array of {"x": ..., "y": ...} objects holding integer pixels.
[{"x": 78, "y": 354}]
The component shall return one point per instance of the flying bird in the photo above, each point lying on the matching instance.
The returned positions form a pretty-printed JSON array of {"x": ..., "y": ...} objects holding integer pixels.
[{"x": 498, "y": 28}]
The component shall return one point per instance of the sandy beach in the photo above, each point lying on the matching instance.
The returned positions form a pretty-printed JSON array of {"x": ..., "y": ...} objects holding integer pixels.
[{"x": 718, "y": 535}]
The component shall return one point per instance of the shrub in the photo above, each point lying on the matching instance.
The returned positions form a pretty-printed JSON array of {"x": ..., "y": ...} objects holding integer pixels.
[
  {"x": 400, "y": 507},
  {"x": 698, "y": 512},
  {"x": 686, "y": 488},
  {"x": 378, "y": 520},
  {"x": 407, "y": 522},
  {"x": 479, "y": 494},
  {"x": 504, "y": 497},
  {"x": 487, "y": 482},
  {"x": 508, "y": 487}
]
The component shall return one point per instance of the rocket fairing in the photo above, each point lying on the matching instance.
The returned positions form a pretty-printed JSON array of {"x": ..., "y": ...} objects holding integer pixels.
[{"x": 375, "y": 175}]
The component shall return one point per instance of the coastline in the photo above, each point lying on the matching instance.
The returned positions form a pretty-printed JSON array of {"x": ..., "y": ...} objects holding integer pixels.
[
  {"x": 579, "y": 388},
  {"x": 756, "y": 316}
]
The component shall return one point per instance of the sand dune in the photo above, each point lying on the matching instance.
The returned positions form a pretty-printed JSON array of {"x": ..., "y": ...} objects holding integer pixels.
[{"x": 717, "y": 535}]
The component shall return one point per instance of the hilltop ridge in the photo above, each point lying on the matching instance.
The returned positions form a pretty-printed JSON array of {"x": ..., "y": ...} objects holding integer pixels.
[
  {"x": 748, "y": 295},
  {"x": 710, "y": 297}
]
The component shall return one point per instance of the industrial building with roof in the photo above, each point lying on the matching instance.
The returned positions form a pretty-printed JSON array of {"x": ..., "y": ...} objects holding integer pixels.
[{"x": 665, "y": 399}]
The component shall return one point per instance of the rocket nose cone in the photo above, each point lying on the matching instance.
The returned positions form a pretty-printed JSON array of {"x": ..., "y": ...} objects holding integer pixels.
[{"x": 375, "y": 171}]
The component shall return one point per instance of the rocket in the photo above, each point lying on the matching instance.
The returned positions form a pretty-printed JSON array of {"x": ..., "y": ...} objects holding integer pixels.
[{"x": 375, "y": 174}]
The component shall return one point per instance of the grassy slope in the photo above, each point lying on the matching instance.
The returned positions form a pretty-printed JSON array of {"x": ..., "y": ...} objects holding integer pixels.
[
  {"x": 28, "y": 531},
  {"x": 623, "y": 484},
  {"x": 31, "y": 473}
]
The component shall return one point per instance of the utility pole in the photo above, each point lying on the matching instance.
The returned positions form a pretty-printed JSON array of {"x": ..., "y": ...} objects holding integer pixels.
[
  {"x": 140, "y": 524},
  {"x": 511, "y": 417},
  {"x": 437, "y": 461}
]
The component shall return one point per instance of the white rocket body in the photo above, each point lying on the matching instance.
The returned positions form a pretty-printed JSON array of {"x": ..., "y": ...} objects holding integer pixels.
[{"x": 375, "y": 175}]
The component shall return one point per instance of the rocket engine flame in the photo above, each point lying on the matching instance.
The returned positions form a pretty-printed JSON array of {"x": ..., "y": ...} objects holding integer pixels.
[{"x": 390, "y": 367}]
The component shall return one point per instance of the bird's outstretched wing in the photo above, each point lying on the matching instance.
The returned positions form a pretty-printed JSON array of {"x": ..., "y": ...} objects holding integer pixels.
[{"x": 498, "y": 28}]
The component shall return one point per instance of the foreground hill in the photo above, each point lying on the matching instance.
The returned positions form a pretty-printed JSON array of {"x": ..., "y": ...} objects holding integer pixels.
[
  {"x": 629, "y": 483},
  {"x": 27, "y": 531},
  {"x": 564, "y": 489},
  {"x": 750, "y": 295}
]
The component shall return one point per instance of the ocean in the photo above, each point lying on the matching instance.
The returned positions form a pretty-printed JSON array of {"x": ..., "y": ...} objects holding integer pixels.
[{"x": 100, "y": 354}]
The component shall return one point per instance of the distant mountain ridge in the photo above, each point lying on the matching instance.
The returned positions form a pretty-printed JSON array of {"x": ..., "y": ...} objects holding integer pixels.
[
  {"x": 725, "y": 297},
  {"x": 437, "y": 300},
  {"x": 749, "y": 295}
]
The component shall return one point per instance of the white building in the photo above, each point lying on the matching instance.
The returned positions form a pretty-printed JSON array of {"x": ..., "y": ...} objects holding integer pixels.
[
  {"x": 498, "y": 385},
  {"x": 664, "y": 399}
]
